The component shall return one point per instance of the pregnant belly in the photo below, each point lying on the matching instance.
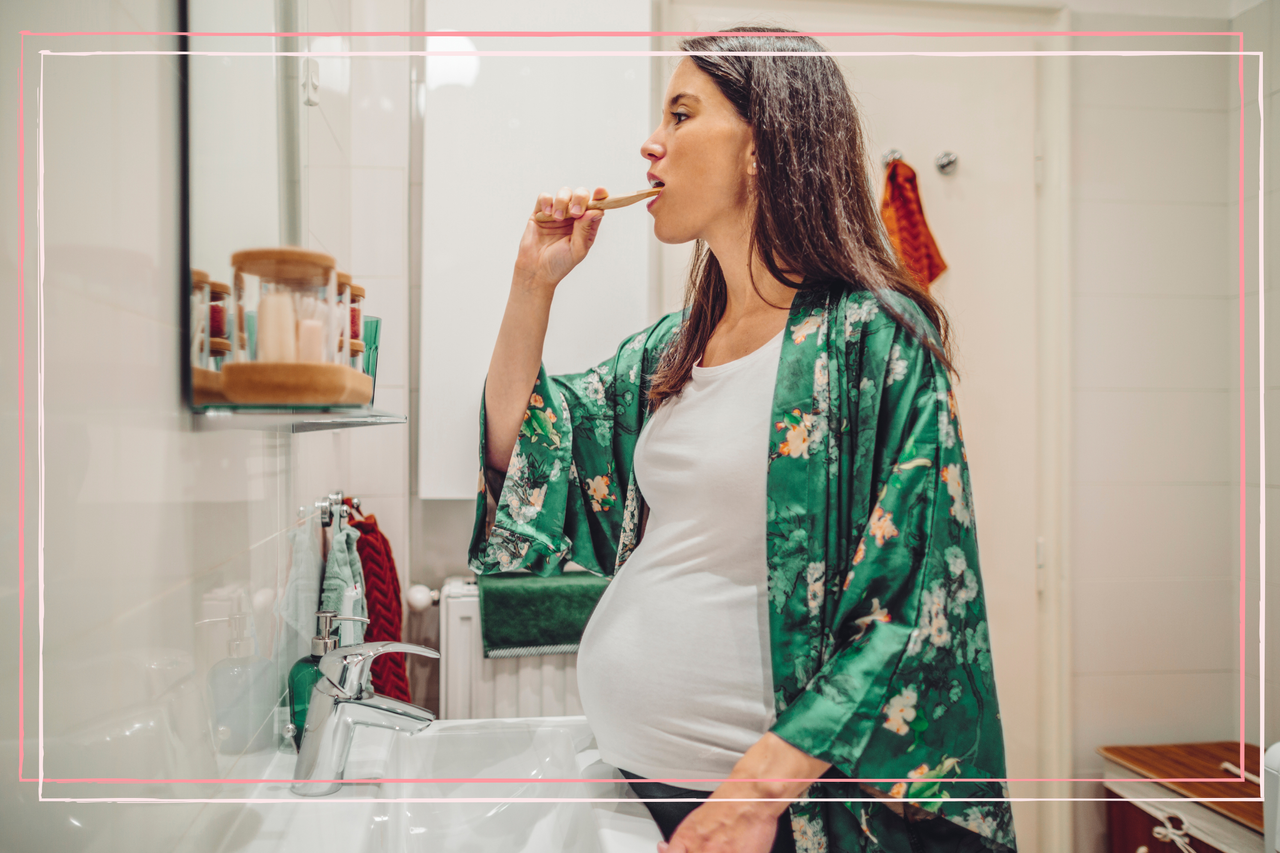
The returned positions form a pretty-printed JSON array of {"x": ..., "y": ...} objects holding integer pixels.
[{"x": 677, "y": 654}]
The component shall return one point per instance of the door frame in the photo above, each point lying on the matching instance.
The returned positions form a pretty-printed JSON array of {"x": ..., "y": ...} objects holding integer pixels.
[{"x": 1053, "y": 511}]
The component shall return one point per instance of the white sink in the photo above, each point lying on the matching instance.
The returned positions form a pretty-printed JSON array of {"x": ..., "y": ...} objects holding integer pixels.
[
  {"x": 527, "y": 753},
  {"x": 409, "y": 801}
]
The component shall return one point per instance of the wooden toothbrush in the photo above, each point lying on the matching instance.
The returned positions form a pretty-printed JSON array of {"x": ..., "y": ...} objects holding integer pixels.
[{"x": 607, "y": 203}]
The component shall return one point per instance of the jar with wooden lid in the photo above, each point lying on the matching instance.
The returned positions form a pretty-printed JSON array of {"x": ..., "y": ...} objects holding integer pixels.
[
  {"x": 355, "y": 295},
  {"x": 357, "y": 312},
  {"x": 299, "y": 306},
  {"x": 302, "y": 353},
  {"x": 344, "y": 300},
  {"x": 199, "y": 317},
  {"x": 206, "y": 350},
  {"x": 219, "y": 348},
  {"x": 243, "y": 329},
  {"x": 219, "y": 304},
  {"x": 357, "y": 356}
]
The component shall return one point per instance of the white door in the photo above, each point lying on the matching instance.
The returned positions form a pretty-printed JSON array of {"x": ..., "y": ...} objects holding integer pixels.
[{"x": 983, "y": 217}]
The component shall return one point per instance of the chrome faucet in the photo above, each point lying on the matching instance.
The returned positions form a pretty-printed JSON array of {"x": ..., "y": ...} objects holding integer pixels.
[{"x": 339, "y": 703}]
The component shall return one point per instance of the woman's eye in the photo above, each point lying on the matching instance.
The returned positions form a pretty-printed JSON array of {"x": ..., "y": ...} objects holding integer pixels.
[{"x": 678, "y": 116}]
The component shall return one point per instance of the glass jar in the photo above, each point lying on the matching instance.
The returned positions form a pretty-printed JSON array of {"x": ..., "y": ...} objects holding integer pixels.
[
  {"x": 357, "y": 323},
  {"x": 218, "y": 304},
  {"x": 245, "y": 322},
  {"x": 219, "y": 348},
  {"x": 344, "y": 297},
  {"x": 199, "y": 317},
  {"x": 357, "y": 355},
  {"x": 354, "y": 294},
  {"x": 300, "y": 314}
]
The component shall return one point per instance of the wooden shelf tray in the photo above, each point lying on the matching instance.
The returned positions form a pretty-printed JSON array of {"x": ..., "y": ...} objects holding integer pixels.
[
  {"x": 270, "y": 383},
  {"x": 206, "y": 387}
]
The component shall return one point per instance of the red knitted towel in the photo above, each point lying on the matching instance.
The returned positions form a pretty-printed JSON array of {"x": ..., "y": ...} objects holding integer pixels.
[
  {"x": 382, "y": 593},
  {"x": 903, "y": 217}
]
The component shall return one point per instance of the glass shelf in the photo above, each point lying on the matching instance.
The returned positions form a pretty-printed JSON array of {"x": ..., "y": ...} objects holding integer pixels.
[{"x": 295, "y": 418}]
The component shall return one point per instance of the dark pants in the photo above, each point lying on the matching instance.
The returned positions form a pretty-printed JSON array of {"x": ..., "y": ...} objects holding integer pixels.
[
  {"x": 895, "y": 833},
  {"x": 669, "y": 815}
]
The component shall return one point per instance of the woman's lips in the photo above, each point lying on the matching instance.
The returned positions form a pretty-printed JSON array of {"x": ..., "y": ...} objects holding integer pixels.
[{"x": 654, "y": 200}]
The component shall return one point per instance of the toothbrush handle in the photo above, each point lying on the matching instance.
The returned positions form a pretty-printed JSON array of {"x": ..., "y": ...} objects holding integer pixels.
[{"x": 607, "y": 203}]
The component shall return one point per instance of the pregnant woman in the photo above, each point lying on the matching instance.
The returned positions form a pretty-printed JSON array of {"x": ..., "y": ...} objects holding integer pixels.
[{"x": 794, "y": 641}]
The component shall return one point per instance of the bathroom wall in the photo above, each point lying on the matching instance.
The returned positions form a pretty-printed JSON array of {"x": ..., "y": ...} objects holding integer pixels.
[
  {"x": 1154, "y": 471},
  {"x": 149, "y": 524},
  {"x": 1261, "y": 28}
]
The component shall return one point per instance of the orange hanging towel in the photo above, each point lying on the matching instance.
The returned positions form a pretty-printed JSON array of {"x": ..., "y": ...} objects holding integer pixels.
[{"x": 903, "y": 217}]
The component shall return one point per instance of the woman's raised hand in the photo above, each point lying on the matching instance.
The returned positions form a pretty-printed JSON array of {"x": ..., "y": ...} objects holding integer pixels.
[{"x": 550, "y": 250}]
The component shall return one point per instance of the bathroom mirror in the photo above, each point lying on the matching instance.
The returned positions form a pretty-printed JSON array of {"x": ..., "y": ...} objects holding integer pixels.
[
  {"x": 304, "y": 153},
  {"x": 299, "y": 151}
]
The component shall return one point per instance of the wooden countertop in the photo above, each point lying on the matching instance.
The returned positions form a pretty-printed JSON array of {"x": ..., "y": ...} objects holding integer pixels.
[{"x": 1198, "y": 761}]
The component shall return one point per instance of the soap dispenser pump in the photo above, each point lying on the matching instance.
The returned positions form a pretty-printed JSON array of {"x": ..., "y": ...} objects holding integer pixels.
[
  {"x": 242, "y": 692},
  {"x": 306, "y": 672}
]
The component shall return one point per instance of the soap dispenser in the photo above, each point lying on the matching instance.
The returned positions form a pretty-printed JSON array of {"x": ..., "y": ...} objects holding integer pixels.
[
  {"x": 242, "y": 693},
  {"x": 306, "y": 672}
]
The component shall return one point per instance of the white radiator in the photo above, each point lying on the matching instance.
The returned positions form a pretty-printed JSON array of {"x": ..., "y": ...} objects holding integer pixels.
[{"x": 472, "y": 687}]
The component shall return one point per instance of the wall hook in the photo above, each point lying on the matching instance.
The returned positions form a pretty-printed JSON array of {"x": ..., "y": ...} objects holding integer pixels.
[
  {"x": 311, "y": 82},
  {"x": 946, "y": 162},
  {"x": 332, "y": 507}
]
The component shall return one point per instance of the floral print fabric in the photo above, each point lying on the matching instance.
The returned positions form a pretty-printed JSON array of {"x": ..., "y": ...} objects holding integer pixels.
[{"x": 880, "y": 650}]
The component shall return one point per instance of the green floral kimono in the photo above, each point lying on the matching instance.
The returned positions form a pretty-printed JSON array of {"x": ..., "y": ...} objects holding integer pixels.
[{"x": 880, "y": 652}]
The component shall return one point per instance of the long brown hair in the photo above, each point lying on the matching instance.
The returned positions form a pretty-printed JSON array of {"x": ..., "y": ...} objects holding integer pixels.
[{"x": 815, "y": 212}]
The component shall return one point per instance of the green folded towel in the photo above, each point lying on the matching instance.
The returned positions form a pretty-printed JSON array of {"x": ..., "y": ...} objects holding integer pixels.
[{"x": 524, "y": 614}]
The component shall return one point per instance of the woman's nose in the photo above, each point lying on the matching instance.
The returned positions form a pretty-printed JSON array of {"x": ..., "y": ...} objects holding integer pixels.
[{"x": 652, "y": 149}]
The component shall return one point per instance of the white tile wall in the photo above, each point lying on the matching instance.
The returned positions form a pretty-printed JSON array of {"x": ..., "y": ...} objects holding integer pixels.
[
  {"x": 1142, "y": 154},
  {"x": 1150, "y": 435},
  {"x": 1167, "y": 625},
  {"x": 1127, "y": 248},
  {"x": 1194, "y": 524},
  {"x": 150, "y": 526},
  {"x": 1154, "y": 506},
  {"x": 1259, "y": 25},
  {"x": 1150, "y": 707},
  {"x": 1136, "y": 331}
]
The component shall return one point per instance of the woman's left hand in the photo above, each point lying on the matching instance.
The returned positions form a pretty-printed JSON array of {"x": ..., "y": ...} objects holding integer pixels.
[
  {"x": 717, "y": 826},
  {"x": 729, "y": 822}
]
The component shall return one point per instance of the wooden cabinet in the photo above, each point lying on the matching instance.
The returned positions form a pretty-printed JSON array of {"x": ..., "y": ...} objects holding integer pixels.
[
  {"x": 1146, "y": 816},
  {"x": 1132, "y": 830}
]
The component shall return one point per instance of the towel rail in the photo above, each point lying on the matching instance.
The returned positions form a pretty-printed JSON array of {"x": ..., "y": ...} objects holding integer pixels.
[{"x": 330, "y": 508}]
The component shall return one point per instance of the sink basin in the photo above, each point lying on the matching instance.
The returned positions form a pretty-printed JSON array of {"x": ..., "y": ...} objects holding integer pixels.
[
  {"x": 526, "y": 754},
  {"x": 405, "y": 797}
]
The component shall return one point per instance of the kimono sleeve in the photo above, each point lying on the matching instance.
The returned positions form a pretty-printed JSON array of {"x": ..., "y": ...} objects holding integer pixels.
[
  {"x": 562, "y": 495},
  {"x": 917, "y": 501}
]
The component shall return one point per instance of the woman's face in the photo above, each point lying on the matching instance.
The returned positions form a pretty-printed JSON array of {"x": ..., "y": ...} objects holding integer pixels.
[{"x": 703, "y": 154}]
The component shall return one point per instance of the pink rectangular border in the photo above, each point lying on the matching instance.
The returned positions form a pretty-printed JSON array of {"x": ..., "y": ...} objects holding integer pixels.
[{"x": 610, "y": 34}]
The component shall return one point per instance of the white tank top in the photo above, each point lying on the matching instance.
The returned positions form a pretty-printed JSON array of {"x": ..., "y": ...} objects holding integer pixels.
[{"x": 674, "y": 665}]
